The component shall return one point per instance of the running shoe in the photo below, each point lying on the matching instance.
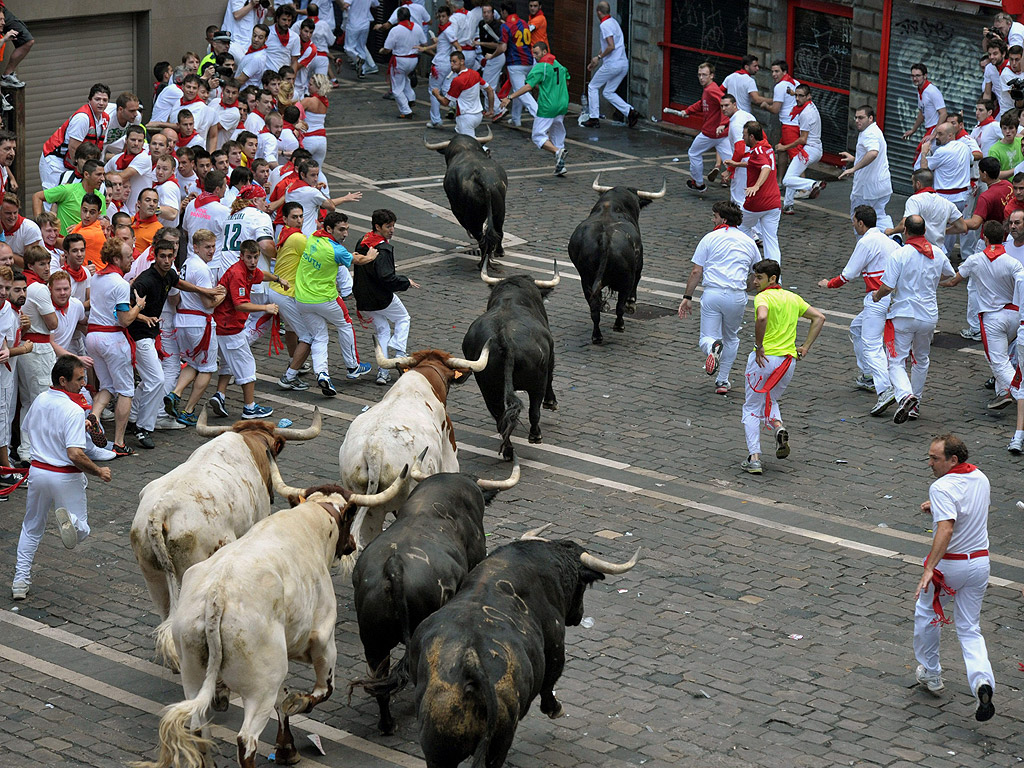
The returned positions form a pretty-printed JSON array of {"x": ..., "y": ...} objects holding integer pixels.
[
  {"x": 985, "y": 708},
  {"x": 360, "y": 370},
  {"x": 1016, "y": 446},
  {"x": 294, "y": 383},
  {"x": 781, "y": 443},
  {"x": 903, "y": 412},
  {"x": 932, "y": 682},
  {"x": 753, "y": 466},
  {"x": 218, "y": 406},
  {"x": 885, "y": 399},
  {"x": 256, "y": 411},
  {"x": 68, "y": 534},
  {"x": 171, "y": 403},
  {"x": 691, "y": 184},
  {"x": 383, "y": 376},
  {"x": 187, "y": 419},
  {"x": 711, "y": 363},
  {"x": 122, "y": 450},
  {"x": 326, "y": 385}
]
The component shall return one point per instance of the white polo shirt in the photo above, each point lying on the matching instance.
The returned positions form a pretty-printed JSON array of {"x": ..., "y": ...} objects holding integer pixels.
[
  {"x": 873, "y": 181},
  {"x": 25, "y": 235},
  {"x": 106, "y": 292},
  {"x": 197, "y": 272},
  {"x": 279, "y": 52},
  {"x": 963, "y": 498},
  {"x": 37, "y": 304},
  {"x": 781, "y": 94},
  {"x": 310, "y": 199},
  {"x": 1000, "y": 92},
  {"x": 915, "y": 279},
  {"x": 402, "y": 41},
  {"x": 55, "y": 423},
  {"x": 809, "y": 120},
  {"x": 727, "y": 256},
  {"x": 993, "y": 280},
  {"x": 930, "y": 102},
  {"x": 67, "y": 322},
  {"x": 987, "y": 135},
  {"x": 739, "y": 85},
  {"x": 869, "y": 259},
  {"x": 951, "y": 165},
  {"x": 610, "y": 28},
  {"x": 937, "y": 212}
]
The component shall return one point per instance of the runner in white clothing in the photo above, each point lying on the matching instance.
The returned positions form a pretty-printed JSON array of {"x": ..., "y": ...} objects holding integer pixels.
[
  {"x": 782, "y": 103},
  {"x": 207, "y": 211},
  {"x": 613, "y": 67},
  {"x": 357, "y": 28},
  {"x": 931, "y": 108},
  {"x": 986, "y": 132},
  {"x": 465, "y": 89},
  {"x": 446, "y": 43},
  {"x": 940, "y": 216},
  {"x": 401, "y": 43},
  {"x": 742, "y": 86},
  {"x": 722, "y": 263},
  {"x": 950, "y": 162},
  {"x": 868, "y": 261},
  {"x": 282, "y": 43},
  {"x": 808, "y": 150},
  {"x": 312, "y": 195},
  {"x": 872, "y": 183},
  {"x": 738, "y": 174}
]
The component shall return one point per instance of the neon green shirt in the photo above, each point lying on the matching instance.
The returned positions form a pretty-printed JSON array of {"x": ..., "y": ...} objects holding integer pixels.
[
  {"x": 1008, "y": 155},
  {"x": 784, "y": 309},
  {"x": 68, "y": 198},
  {"x": 317, "y": 273}
]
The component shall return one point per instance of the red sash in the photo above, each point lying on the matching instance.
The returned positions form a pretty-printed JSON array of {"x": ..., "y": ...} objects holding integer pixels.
[
  {"x": 769, "y": 384},
  {"x": 64, "y": 470},
  {"x": 91, "y": 328},
  {"x": 204, "y": 343}
]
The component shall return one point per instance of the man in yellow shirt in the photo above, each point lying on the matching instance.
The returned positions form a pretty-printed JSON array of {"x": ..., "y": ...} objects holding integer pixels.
[
  {"x": 290, "y": 245},
  {"x": 771, "y": 365}
]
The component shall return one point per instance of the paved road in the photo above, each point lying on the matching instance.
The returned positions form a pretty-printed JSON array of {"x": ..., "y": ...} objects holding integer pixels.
[{"x": 769, "y": 622}]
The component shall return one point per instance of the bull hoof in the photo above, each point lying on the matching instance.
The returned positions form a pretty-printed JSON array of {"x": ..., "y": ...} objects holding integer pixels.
[
  {"x": 295, "y": 703},
  {"x": 493, "y": 267},
  {"x": 288, "y": 755},
  {"x": 619, "y": 327},
  {"x": 551, "y": 405},
  {"x": 535, "y": 438},
  {"x": 386, "y": 727},
  {"x": 221, "y": 698},
  {"x": 597, "y": 340},
  {"x": 555, "y": 711},
  {"x": 508, "y": 454},
  {"x": 630, "y": 307}
]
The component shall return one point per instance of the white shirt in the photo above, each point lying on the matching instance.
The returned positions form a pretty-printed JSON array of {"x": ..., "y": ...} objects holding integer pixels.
[
  {"x": 197, "y": 272},
  {"x": 610, "y": 28},
  {"x": 55, "y": 423},
  {"x": 739, "y": 85},
  {"x": 225, "y": 117},
  {"x": 419, "y": 16},
  {"x": 937, "y": 212},
  {"x": 739, "y": 175},
  {"x": 999, "y": 90},
  {"x": 169, "y": 194},
  {"x": 1015, "y": 35},
  {"x": 310, "y": 199},
  {"x": 358, "y": 15},
  {"x": 143, "y": 179},
  {"x": 78, "y": 127},
  {"x": 210, "y": 216},
  {"x": 986, "y": 135},
  {"x": 727, "y": 256},
  {"x": 25, "y": 235},
  {"x": 1016, "y": 251},
  {"x": 402, "y": 41},
  {"x": 167, "y": 100},
  {"x": 993, "y": 281},
  {"x": 113, "y": 143},
  {"x": 254, "y": 123},
  {"x": 248, "y": 224},
  {"x": 37, "y": 304},
  {"x": 914, "y": 279},
  {"x": 951, "y": 164},
  {"x": 963, "y": 498},
  {"x": 67, "y": 322},
  {"x": 869, "y": 259},
  {"x": 279, "y": 54},
  {"x": 781, "y": 94},
  {"x": 447, "y": 42},
  {"x": 930, "y": 102},
  {"x": 809, "y": 120},
  {"x": 106, "y": 292},
  {"x": 873, "y": 180},
  {"x": 79, "y": 290},
  {"x": 251, "y": 68},
  {"x": 187, "y": 184},
  {"x": 9, "y": 327},
  {"x": 266, "y": 148},
  {"x": 241, "y": 29}
]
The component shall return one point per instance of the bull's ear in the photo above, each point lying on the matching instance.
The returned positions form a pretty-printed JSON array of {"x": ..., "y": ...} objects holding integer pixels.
[
  {"x": 278, "y": 444},
  {"x": 460, "y": 376},
  {"x": 588, "y": 577}
]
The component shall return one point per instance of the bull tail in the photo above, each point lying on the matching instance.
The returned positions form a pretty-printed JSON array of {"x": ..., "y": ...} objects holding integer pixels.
[
  {"x": 180, "y": 742},
  {"x": 158, "y": 545},
  {"x": 166, "y": 651},
  {"x": 394, "y": 683},
  {"x": 476, "y": 680},
  {"x": 513, "y": 407},
  {"x": 490, "y": 239},
  {"x": 394, "y": 572},
  {"x": 348, "y": 562}
]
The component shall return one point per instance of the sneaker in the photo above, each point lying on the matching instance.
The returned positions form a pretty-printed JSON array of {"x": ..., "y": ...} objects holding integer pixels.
[
  {"x": 166, "y": 423},
  {"x": 722, "y": 387},
  {"x": 171, "y": 402},
  {"x": 885, "y": 399},
  {"x": 1016, "y": 446},
  {"x": 499, "y": 115},
  {"x": 1000, "y": 401},
  {"x": 753, "y": 466},
  {"x": 402, "y": 116},
  {"x": 218, "y": 406},
  {"x": 326, "y": 386},
  {"x": 186, "y": 419},
  {"x": 817, "y": 188},
  {"x": 19, "y": 590},
  {"x": 932, "y": 682},
  {"x": 306, "y": 368},
  {"x": 122, "y": 450},
  {"x": 435, "y": 126},
  {"x": 145, "y": 439},
  {"x": 294, "y": 383},
  {"x": 383, "y": 376},
  {"x": 360, "y": 370},
  {"x": 915, "y": 411},
  {"x": 967, "y": 333},
  {"x": 11, "y": 81},
  {"x": 990, "y": 383},
  {"x": 985, "y": 708},
  {"x": 865, "y": 382},
  {"x": 782, "y": 443},
  {"x": 95, "y": 431},
  {"x": 691, "y": 184},
  {"x": 711, "y": 363},
  {"x": 256, "y": 411},
  {"x": 108, "y": 413},
  {"x": 903, "y": 412},
  {"x": 713, "y": 174},
  {"x": 68, "y": 534},
  {"x": 788, "y": 210},
  {"x": 592, "y": 123},
  {"x": 632, "y": 118},
  {"x": 560, "y": 162}
]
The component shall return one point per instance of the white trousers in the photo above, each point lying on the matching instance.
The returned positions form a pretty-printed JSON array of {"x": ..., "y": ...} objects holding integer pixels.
[
  {"x": 912, "y": 336},
  {"x": 188, "y": 339},
  {"x": 794, "y": 181},
  {"x": 960, "y": 201},
  {"x": 517, "y": 76},
  {"x": 969, "y": 579},
  {"x": 492, "y": 71},
  {"x": 438, "y": 82},
  {"x": 148, "y": 400},
  {"x": 998, "y": 330},
  {"x": 754, "y": 415},
  {"x": 884, "y": 220},
  {"x": 395, "y": 313},
  {"x": 171, "y": 363},
  {"x": 738, "y": 186},
  {"x": 400, "y": 85},
  {"x": 866, "y": 332},
  {"x": 607, "y": 77},
  {"x": 721, "y": 315},
  {"x": 50, "y": 169},
  {"x": 48, "y": 490},
  {"x": 317, "y": 146},
  {"x": 289, "y": 311},
  {"x": 973, "y": 321},
  {"x": 702, "y": 144},
  {"x": 112, "y": 361},
  {"x": 767, "y": 226},
  {"x": 1018, "y": 391},
  {"x": 355, "y": 46},
  {"x": 33, "y": 379},
  {"x": 466, "y": 124},
  {"x": 8, "y": 387},
  {"x": 549, "y": 128},
  {"x": 316, "y": 318}
]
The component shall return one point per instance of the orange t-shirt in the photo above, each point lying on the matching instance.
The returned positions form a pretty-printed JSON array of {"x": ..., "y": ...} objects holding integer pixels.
[
  {"x": 539, "y": 29},
  {"x": 144, "y": 232},
  {"x": 94, "y": 239}
]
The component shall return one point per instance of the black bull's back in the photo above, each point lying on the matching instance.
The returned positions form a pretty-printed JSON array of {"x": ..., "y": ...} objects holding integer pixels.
[{"x": 476, "y": 186}]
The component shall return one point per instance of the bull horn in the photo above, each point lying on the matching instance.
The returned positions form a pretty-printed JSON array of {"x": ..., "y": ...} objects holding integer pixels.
[
  {"x": 303, "y": 434},
  {"x": 603, "y": 566},
  {"x": 204, "y": 430},
  {"x": 549, "y": 283},
  {"x": 652, "y": 195},
  {"x": 473, "y": 365},
  {"x": 417, "y": 473},
  {"x": 379, "y": 499},
  {"x": 389, "y": 362},
  {"x": 597, "y": 185},
  {"x": 501, "y": 485},
  {"x": 280, "y": 487},
  {"x": 485, "y": 139},
  {"x": 487, "y": 278},
  {"x": 436, "y": 146},
  {"x": 534, "y": 535}
]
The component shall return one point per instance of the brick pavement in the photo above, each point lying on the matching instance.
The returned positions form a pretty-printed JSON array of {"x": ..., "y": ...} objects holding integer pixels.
[{"x": 693, "y": 664}]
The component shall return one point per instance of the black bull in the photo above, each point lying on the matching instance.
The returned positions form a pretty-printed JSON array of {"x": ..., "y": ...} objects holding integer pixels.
[
  {"x": 522, "y": 352},
  {"x": 607, "y": 251},
  {"x": 479, "y": 662},
  {"x": 475, "y": 185}
]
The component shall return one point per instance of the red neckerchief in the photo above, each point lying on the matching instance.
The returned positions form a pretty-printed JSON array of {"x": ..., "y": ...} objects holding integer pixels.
[
  {"x": 322, "y": 99},
  {"x": 111, "y": 269},
  {"x": 407, "y": 24},
  {"x": 721, "y": 226},
  {"x": 324, "y": 233},
  {"x": 443, "y": 27},
  {"x": 986, "y": 121},
  {"x": 921, "y": 245},
  {"x": 303, "y": 46},
  {"x": 228, "y": 106},
  {"x": 124, "y": 160},
  {"x": 799, "y": 108},
  {"x": 925, "y": 84},
  {"x": 283, "y": 38},
  {"x": 771, "y": 286},
  {"x": 190, "y": 101},
  {"x": 63, "y": 310},
  {"x": 962, "y": 468},
  {"x": 372, "y": 240},
  {"x": 993, "y": 252},
  {"x": 79, "y": 275},
  {"x": 602, "y": 18},
  {"x": 172, "y": 180},
  {"x": 241, "y": 125},
  {"x": 286, "y": 232},
  {"x": 182, "y": 141},
  {"x": 76, "y": 397},
  {"x": 963, "y": 132},
  {"x": 138, "y": 221},
  {"x": 547, "y": 59},
  {"x": 314, "y": 19},
  {"x": 923, "y": 190},
  {"x": 15, "y": 228},
  {"x": 206, "y": 197},
  {"x": 31, "y": 277},
  {"x": 256, "y": 50},
  {"x": 787, "y": 79}
]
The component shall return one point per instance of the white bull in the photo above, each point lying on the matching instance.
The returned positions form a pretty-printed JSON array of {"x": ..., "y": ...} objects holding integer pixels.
[
  {"x": 209, "y": 500},
  {"x": 411, "y": 417},
  {"x": 249, "y": 609}
]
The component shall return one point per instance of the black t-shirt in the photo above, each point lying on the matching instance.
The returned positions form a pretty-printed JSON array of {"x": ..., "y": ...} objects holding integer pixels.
[
  {"x": 489, "y": 32},
  {"x": 154, "y": 288}
]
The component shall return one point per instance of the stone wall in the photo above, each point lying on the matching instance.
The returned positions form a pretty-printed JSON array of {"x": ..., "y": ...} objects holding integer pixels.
[
  {"x": 865, "y": 58},
  {"x": 646, "y": 63}
]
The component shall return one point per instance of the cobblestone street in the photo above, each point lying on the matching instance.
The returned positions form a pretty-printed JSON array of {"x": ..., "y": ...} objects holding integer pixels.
[{"x": 769, "y": 621}]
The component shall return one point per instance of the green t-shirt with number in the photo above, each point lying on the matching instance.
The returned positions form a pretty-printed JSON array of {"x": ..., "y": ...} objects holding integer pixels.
[{"x": 551, "y": 81}]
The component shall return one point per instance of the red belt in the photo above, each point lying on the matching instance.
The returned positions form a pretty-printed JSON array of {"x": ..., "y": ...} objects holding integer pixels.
[
  {"x": 204, "y": 343},
  {"x": 38, "y": 338},
  {"x": 950, "y": 191},
  {"x": 468, "y": 47},
  {"x": 1014, "y": 307},
  {"x": 322, "y": 53},
  {"x": 114, "y": 329},
  {"x": 65, "y": 470},
  {"x": 960, "y": 556},
  {"x": 317, "y": 132}
]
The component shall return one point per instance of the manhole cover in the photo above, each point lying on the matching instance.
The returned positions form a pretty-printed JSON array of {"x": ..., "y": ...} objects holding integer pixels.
[
  {"x": 950, "y": 341},
  {"x": 651, "y": 311}
]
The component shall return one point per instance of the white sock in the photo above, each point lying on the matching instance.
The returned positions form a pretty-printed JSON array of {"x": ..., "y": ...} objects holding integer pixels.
[
  {"x": 251, "y": 405},
  {"x": 291, "y": 373},
  {"x": 1019, "y": 434}
]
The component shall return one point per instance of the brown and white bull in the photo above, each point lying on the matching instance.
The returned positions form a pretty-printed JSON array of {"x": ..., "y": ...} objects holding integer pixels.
[
  {"x": 411, "y": 417},
  {"x": 209, "y": 500},
  {"x": 243, "y": 614}
]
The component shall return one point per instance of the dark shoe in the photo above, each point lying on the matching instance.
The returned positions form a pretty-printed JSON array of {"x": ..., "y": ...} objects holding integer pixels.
[
  {"x": 1000, "y": 401},
  {"x": 691, "y": 184},
  {"x": 985, "y": 708},
  {"x": 632, "y": 118},
  {"x": 122, "y": 450},
  {"x": 145, "y": 439},
  {"x": 711, "y": 363},
  {"x": 405, "y": 117},
  {"x": 781, "y": 443},
  {"x": 903, "y": 412},
  {"x": 991, "y": 383},
  {"x": 713, "y": 174},
  {"x": 171, "y": 403},
  {"x": 592, "y": 123},
  {"x": 218, "y": 406},
  {"x": 816, "y": 189},
  {"x": 95, "y": 431}
]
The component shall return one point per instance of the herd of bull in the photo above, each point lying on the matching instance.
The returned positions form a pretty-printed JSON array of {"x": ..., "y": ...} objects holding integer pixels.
[{"x": 241, "y": 591}]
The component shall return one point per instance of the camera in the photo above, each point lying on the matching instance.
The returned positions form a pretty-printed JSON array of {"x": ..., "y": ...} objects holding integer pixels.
[
  {"x": 265, "y": 4},
  {"x": 1016, "y": 88}
]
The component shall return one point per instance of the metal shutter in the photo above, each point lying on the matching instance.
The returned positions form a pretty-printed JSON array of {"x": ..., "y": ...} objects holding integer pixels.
[
  {"x": 67, "y": 59},
  {"x": 949, "y": 45}
]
